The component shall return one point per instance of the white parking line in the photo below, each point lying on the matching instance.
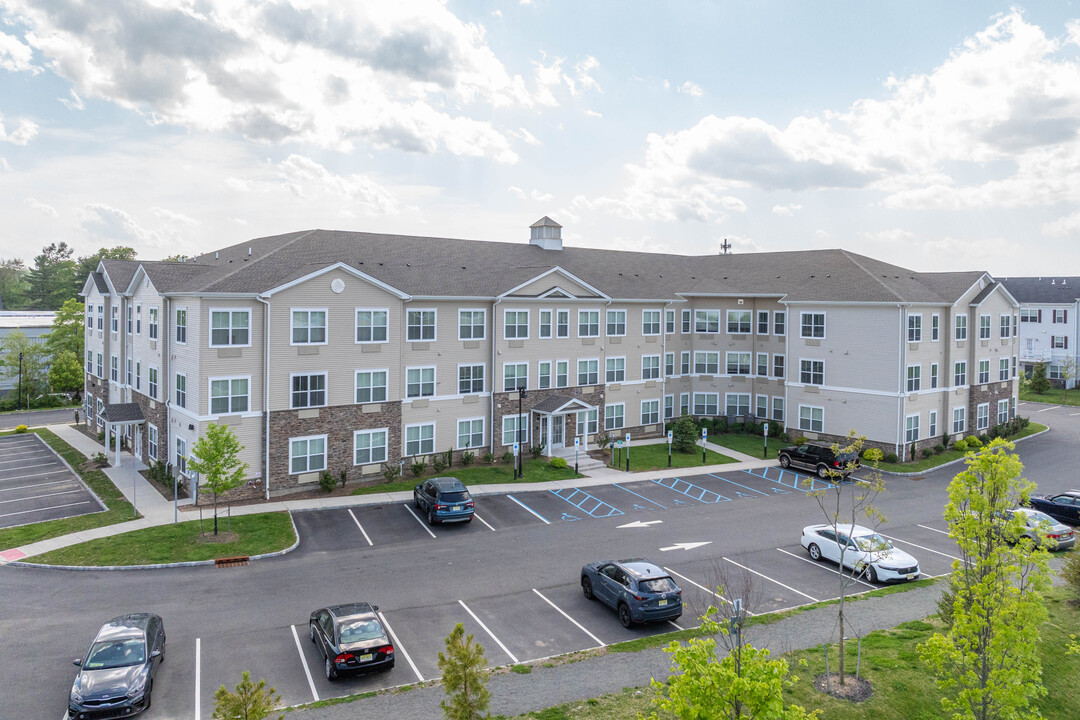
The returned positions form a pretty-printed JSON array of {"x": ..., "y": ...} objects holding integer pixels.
[
  {"x": 51, "y": 507},
  {"x": 827, "y": 568},
  {"x": 581, "y": 627},
  {"x": 361, "y": 528},
  {"x": 23, "y": 477},
  {"x": 677, "y": 626},
  {"x": 483, "y": 521},
  {"x": 27, "y": 467},
  {"x": 943, "y": 532},
  {"x": 198, "y": 679},
  {"x": 529, "y": 509},
  {"x": 1073, "y": 414},
  {"x": 303, "y": 661},
  {"x": 38, "y": 497},
  {"x": 36, "y": 485},
  {"x": 399, "y": 646},
  {"x": 422, "y": 524},
  {"x": 702, "y": 587},
  {"x": 488, "y": 631},
  {"x": 936, "y": 552},
  {"x": 798, "y": 592},
  {"x": 1055, "y": 407},
  {"x": 35, "y": 451}
]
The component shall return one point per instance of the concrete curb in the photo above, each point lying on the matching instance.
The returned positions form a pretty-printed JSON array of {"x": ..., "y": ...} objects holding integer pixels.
[
  {"x": 957, "y": 461},
  {"x": 160, "y": 566}
]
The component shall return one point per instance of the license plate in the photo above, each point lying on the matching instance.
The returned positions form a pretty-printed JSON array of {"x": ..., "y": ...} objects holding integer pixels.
[
  {"x": 366, "y": 658},
  {"x": 910, "y": 577},
  {"x": 456, "y": 508},
  {"x": 661, "y": 603}
]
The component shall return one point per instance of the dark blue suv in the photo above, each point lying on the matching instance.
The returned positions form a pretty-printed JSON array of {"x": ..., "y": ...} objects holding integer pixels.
[
  {"x": 637, "y": 589},
  {"x": 444, "y": 500}
]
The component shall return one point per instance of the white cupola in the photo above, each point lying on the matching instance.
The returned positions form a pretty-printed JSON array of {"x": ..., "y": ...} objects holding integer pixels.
[{"x": 546, "y": 233}]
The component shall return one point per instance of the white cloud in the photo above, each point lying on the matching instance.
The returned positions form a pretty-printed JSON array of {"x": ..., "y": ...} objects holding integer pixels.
[
  {"x": 592, "y": 113},
  {"x": 1066, "y": 227},
  {"x": 551, "y": 77},
  {"x": 73, "y": 101},
  {"x": 43, "y": 208},
  {"x": 23, "y": 133},
  {"x": 517, "y": 192},
  {"x": 532, "y": 195},
  {"x": 691, "y": 89},
  {"x": 786, "y": 210},
  {"x": 16, "y": 56},
  {"x": 525, "y": 136},
  {"x": 108, "y": 225}
]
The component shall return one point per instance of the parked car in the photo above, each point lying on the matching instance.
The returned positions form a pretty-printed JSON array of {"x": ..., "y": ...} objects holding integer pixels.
[
  {"x": 444, "y": 500},
  {"x": 819, "y": 459},
  {"x": 1043, "y": 530},
  {"x": 352, "y": 639},
  {"x": 864, "y": 551},
  {"x": 116, "y": 676},
  {"x": 1064, "y": 507},
  {"x": 636, "y": 589}
]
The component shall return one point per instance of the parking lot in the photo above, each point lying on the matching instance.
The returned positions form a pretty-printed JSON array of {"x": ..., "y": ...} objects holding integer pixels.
[{"x": 36, "y": 485}]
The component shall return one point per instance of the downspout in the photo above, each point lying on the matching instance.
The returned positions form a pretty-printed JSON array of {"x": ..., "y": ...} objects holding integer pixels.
[
  {"x": 491, "y": 440},
  {"x": 663, "y": 360},
  {"x": 266, "y": 392},
  {"x": 901, "y": 447}
]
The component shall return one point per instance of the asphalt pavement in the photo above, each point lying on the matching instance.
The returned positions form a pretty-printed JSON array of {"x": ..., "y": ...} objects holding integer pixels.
[{"x": 35, "y": 418}]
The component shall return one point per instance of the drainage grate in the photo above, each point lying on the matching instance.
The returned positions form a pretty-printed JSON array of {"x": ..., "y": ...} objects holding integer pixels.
[
  {"x": 917, "y": 478},
  {"x": 231, "y": 561}
]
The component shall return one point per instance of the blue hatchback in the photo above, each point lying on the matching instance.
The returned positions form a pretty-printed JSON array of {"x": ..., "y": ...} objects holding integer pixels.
[
  {"x": 637, "y": 589},
  {"x": 444, "y": 500}
]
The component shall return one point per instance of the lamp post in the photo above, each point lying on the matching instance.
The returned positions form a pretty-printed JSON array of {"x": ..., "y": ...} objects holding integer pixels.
[
  {"x": 18, "y": 393},
  {"x": 521, "y": 448}
]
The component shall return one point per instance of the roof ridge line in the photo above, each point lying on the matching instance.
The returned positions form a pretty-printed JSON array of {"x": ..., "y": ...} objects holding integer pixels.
[
  {"x": 873, "y": 277},
  {"x": 226, "y": 276}
]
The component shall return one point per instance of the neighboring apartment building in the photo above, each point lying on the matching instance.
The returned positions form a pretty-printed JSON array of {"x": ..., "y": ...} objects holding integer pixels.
[
  {"x": 345, "y": 350},
  {"x": 1049, "y": 324},
  {"x": 35, "y": 324}
]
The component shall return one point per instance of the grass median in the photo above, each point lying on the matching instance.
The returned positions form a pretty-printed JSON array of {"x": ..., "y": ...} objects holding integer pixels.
[
  {"x": 539, "y": 470},
  {"x": 644, "y": 458},
  {"x": 119, "y": 509},
  {"x": 182, "y": 542},
  {"x": 949, "y": 455}
]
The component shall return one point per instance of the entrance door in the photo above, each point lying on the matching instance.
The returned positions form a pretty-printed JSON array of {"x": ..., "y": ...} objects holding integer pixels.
[{"x": 558, "y": 424}]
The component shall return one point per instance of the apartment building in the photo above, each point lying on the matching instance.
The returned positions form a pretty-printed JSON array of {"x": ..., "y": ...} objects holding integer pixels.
[
  {"x": 1049, "y": 324},
  {"x": 336, "y": 351}
]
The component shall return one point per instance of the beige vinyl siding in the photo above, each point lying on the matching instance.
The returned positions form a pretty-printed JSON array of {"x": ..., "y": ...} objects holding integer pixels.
[
  {"x": 219, "y": 362},
  {"x": 145, "y": 351},
  {"x": 249, "y": 431},
  {"x": 446, "y": 352},
  {"x": 551, "y": 281},
  {"x": 183, "y": 358},
  {"x": 445, "y": 414}
]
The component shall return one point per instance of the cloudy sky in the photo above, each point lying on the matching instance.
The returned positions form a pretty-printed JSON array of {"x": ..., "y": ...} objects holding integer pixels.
[{"x": 938, "y": 136}]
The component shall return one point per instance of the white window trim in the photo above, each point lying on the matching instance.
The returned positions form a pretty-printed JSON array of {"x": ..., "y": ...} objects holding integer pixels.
[
  {"x": 757, "y": 322},
  {"x": 706, "y": 312},
  {"x": 326, "y": 389},
  {"x": 457, "y": 377},
  {"x": 727, "y": 322},
  {"x": 615, "y": 405},
  {"x": 152, "y": 448},
  {"x": 356, "y": 372},
  {"x": 706, "y": 395},
  {"x": 825, "y": 322},
  {"x": 750, "y": 363},
  {"x": 157, "y": 383},
  {"x": 811, "y": 407},
  {"x": 783, "y": 362},
  {"x": 524, "y": 429},
  {"x": 963, "y": 421},
  {"x": 757, "y": 364},
  {"x": 385, "y": 446},
  {"x": 231, "y": 310},
  {"x": 176, "y": 389},
  {"x": 186, "y": 325},
  {"x": 434, "y": 382},
  {"x": 664, "y": 405},
  {"x": 918, "y": 427},
  {"x": 935, "y": 330},
  {"x": 250, "y": 395},
  {"x": 626, "y": 319},
  {"x": 528, "y": 323},
  {"x": 978, "y": 408},
  {"x": 579, "y": 323},
  {"x": 956, "y": 328},
  {"x": 660, "y": 324},
  {"x": 908, "y": 378},
  {"x": 152, "y": 323},
  {"x": 659, "y": 366},
  {"x": 610, "y": 358},
  {"x": 517, "y": 387},
  {"x": 558, "y": 312},
  {"x": 555, "y": 374},
  {"x": 909, "y": 328},
  {"x": 931, "y": 424},
  {"x": 483, "y": 432},
  {"x": 326, "y": 453},
  {"x": 540, "y": 324},
  {"x": 356, "y": 312},
  {"x": 434, "y": 324},
  {"x": 659, "y": 412},
  {"x": 326, "y": 327},
  {"x": 114, "y": 366},
  {"x": 405, "y": 438},
  {"x": 783, "y": 409},
  {"x": 539, "y": 374},
  {"x": 577, "y": 372},
  {"x": 483, "y": 324},
  {"x": 749, "y": 402},
  {"x": 114, "y": 319},
  {"x": 784, "y": 314},
  {"x": 686, "y": 321}
]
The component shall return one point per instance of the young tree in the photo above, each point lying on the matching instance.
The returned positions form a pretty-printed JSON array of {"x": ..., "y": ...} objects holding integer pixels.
[
  {"x": 704, "y": 686},
  {"x": 33, "y": 381},
  {"x": 216, "y": 458},
  {"x": 849, "y": 503},
  {"x": 66, "y": 372},
  {"x": 52, "y": 279},
  {"x": 1039, "y": 384},
  {"x": 987, "y": 660},
  {"x": 251, "y": 701},
  {"x": 68, "y": 330},
  {"x": 13, "y": 284},
  {"x": 464, "y": 678}
]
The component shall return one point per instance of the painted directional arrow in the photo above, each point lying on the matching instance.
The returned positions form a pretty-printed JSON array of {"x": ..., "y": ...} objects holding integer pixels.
[
  {"x": 641, "y": 523},
  {"x": 685, "y": 546}
]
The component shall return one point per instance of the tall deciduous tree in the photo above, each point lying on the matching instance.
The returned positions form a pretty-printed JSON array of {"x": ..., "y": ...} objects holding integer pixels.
[
  {"x": 52, "y": 279},
  {"x": 251, "y": 701},
  {"x": 216, "y": 457},
  {"x": 33, "y": 380},
  {"x": 66, "y": 372},
  {"x": 464, "y": 677},
  {"x": 68, "y": 330},
  {"x": 13, "y": 284},
  {"x": 987, "y": 661},
  {"x": 89, "y": 263}
]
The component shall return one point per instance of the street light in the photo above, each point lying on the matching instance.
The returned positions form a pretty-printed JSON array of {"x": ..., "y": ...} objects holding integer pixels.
[{"x": 521, "y": 449}]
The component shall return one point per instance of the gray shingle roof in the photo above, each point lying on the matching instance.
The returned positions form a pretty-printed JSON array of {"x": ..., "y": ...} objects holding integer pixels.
[
  {"x": 122, "y": 412},
  {"x": 99, "y": 283},
  {"x": 1043, "y": 290}
]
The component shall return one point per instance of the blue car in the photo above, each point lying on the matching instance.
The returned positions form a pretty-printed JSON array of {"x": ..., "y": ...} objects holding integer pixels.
[
  {"x": 636, "y": 589},
  {"x": 444, "y": 500}
]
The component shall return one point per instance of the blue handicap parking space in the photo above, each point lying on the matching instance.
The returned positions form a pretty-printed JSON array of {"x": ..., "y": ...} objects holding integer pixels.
[
  {"x": 789, "y": 479},
  {"x": 741, "y": 491},
  {"x": 586, "y": 503},
  {"x": 692, "y": 491}
]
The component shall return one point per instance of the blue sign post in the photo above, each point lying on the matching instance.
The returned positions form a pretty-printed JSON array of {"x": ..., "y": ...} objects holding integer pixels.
[
  {"x": 577, "y": 445},
  {"x": 669, "y": 437},
  {"x": 704, "y": 437},
  {"x": 627, "y": 452}
]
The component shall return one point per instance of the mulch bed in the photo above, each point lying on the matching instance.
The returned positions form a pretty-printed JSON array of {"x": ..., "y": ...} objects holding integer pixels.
[{"x": 854, "y": 689}]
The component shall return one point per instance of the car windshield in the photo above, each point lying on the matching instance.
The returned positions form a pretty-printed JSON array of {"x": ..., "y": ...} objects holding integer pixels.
[
  {"x": 116, "y": 653},
  {"x": 872, "y": 543},
  {"x": 658, "y": 585},
  {"x": 454, "y": 496},
  {"x": 360, "y": 630}
]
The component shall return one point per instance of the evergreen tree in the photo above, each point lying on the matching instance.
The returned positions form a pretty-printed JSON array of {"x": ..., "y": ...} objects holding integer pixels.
[
  {"x": 251, "y": 701},
  {"x": 684, "y": 435},
  {"x": 13, "y": 284},
  {"x": 52, "y": 279},
  {"x": 1040, "y": 384},
  {"x": 464, "y": 678}
]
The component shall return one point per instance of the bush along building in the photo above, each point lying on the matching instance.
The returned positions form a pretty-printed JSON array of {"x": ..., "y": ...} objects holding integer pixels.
[{"x": 352, "y": 351}]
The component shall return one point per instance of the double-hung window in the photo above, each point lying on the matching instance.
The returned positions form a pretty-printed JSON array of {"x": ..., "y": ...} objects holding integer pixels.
[
  {"x": 588, "y": 323},
  {"x": 151, "y": 442},
  {"x": 307, "y": 454},
  {"x": 933, "y": 375},
  {"x": 706, "y": 363},
  {"x": 812, "y": 325},
  {"x": 562, "y": 373},
  {"x": 100, "y": 316},
  {"x": 669, "y": 407},
  {"x": 811, "y": 418},
  {"x": 961, "y": 327},
  {"x": 308, "y": 390},
  {"x": 230, "y": 327},
  {"x": 1005, "y": 326},
  {"x": 181, "y": 326},
  {"x": 982, "y": 416},
  {"x": 935, "y": 327},
  {"x": 470, "y": 379},
  {"x": 562, "y": 323},
  {"x": 151, "y": 381},
  {"x": 613, "y": 416},
  {"x": 309, "y": 327},
  {"x": 138, "y": 319},
  {"x": 669, "y": 322},
  {"x": 471, "y": 324},
  {"x": 960, "y": 373},
  {"x": 420, "y": 439},
  {"x": 778, "y": 366},
  {"x": 914, "y": 328},
  {"x": 515, "y": 428},
  {"x": 114, "y": 368},
  {"x": 706, "y": 403},
  {"x": 100, "y": 366},
  {"x": 984, "y": 327},
  {"x": 420, "y": 325},
  {"x": 984, "y": 371},
  {"x": 650, "y": 322},
  {"x": 130, "y": 373},
  {"x": 669, "y": 364},
  {"x": 779, "y": 322},
  {"x": 515, "y": 376},
  {"x": 761, "y": 406},
  {"x": 516, "y": 324},
  {"x": 707, "y": 321},
  {"x": 615, "y": 370},
  {"x": 587, "y": 422},
  {"x": 114, "y": 325},
  {"x": 371, "y": 325},
  {"x": 1003, "y": 411},
  {"x": 152, "y": 329},
  {"x": 1061, "y": 315},
  {"x": 228, "y": 395},
  {"x": 911, "y": 428},
  {"x": 738, "y": 363},
  {"x": 543, "y": 374},
  {"x": 470, "y": 433},
  {"x": 650, "y": 367},
  {"x": 650, "y": 412},
  {"x": 763, "y": 322},
  {"x": 371, "y": 386},
  {"x": 812, "y": 372},
  {"x": 686, "y": 322},
  {"x": 762, "y": 365},
  {"x": 181, "y": 390},
  {"x": 914, "y": 378},
  {"x": 545, "y": 324},
  {"x": 1059, "y": 342},
  {"x": 588, "y": 372},
  {"x": 138, "y": 375},
  {"x": 369, "y": 446},
  {"x": 684, "y": 362},
  {"x": 128, "y": 317},
  {"x": 931, "y": 424},
  {"x": 89, "y": 317},
  {"x": 181, "y": 456},
  {"x": 419, "y": 382},
  {"x": 90, "y": 362},
  {"x": 778, "y": 409},
  {"x": 738, "y": 322},
  {"x": 737, "y": 403},
  {"x": 1003, "y": 368},
  {"x": 616, "y": 323}
]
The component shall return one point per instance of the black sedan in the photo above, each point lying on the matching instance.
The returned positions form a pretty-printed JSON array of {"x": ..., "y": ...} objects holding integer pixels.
[
  {"x": 352, "y": 639},
  {"x": 444, "y": 500},
  {"x": 1063, "y": 507},
  {"x": 117, "y": 672}
]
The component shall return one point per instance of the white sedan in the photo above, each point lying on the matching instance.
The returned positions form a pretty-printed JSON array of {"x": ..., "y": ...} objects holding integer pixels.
[{"x": 862, "y": 550}]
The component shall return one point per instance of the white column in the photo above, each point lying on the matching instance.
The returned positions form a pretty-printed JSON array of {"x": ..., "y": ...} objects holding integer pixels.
[
  {"x": 116, "y": 439},
  {"x": 547, "y": 419}
]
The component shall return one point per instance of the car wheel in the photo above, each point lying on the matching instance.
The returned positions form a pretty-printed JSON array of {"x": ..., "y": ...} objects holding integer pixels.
[
  {"x": 871, "y": 574},
  {"x": 814, "y": 550},
  {"x": 331, "y": 671},
  {"x": 823, "y": 472},
  {"x": 586, "y": 587},
  {"x": 785, "y": 461},
  {"x": 430, "y": 517},
  {"x": 624, "y": 615}
]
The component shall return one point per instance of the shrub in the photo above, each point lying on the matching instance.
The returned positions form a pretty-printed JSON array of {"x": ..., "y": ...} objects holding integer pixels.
[
  {"x": 159, "y": 471},
  {"x": 536, "y": 450},
  {"x": 1040, "y": 384},
  {"x": 926, "y": 452},
  {"x": 21, "y": 428},
  {"x": 508, "y": 457},
  {"x": 974, "y": 443},
  {"x": 801, "y": 440},
  {"x": 343, "y": 477},
  {"x": 101, "y": 459},
  {"x": 391, "y": 473},
  {"x": 489, "y": 458},
  {"x": 449, "y": 456},
  {"x": 961, "y": 445},
  {"x": 1070, "y": 573},
  {"x": 558, "y": 462},
  {"x": 939, "y": 448},
  {"x": 418, "y": 467},
  {"x": 684, "y": 435},
  {"x": 101, "y": 436},
  {"x": 467, "y": 458},
  {"x": 438, "y": 463},
  {"x": 891, "y": 458},
  {"x": 327, "y": 481}
]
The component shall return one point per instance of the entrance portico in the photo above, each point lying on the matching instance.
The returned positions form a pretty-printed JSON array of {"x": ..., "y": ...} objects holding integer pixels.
[
  {"x": 552, "y": 412},
  {"x": 123, "y": 419}
]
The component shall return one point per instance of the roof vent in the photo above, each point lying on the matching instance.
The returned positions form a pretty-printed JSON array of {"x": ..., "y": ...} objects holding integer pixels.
[
  {"x": 546, "y": 234},
  {"x": 249, "y": 251},
  {"x": 1053, "y": 282}
]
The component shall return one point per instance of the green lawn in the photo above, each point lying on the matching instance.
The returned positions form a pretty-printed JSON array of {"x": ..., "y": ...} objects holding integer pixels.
[
  {"x": 119, "y": 509},
  {"x": 1054, "y": 396},
  {"x": 655, "y": 457},
  {"x": 924, "y": 464},
  {"x": 749, "y": 444},
  {"x": 535, "y": 471},
  {"x": 183, "y": 542}
]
